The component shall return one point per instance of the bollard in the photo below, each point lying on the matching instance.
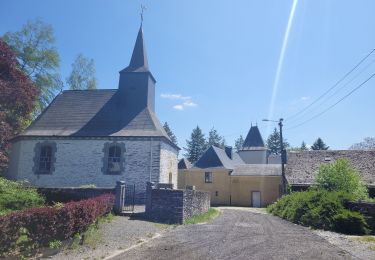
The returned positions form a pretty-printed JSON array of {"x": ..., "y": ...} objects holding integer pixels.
[{"x": 120, "y": 197}]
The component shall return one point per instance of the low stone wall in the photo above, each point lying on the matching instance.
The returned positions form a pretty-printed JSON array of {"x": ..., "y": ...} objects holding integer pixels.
[
  {"x": 367, "y": 208},
  {"x": 72, "y": 194},
  {"x": 174, "y": 206}
]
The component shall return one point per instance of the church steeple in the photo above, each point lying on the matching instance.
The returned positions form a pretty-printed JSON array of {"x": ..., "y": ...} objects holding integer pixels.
[{"x": 139, "y": 61}]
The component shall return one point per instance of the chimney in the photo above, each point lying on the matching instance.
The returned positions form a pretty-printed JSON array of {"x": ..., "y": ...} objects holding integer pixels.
[{"x": 228, "y": 151}]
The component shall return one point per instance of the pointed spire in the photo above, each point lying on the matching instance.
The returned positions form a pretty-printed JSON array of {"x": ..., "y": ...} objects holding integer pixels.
[
  {"x": 138, "y": 62},
  {"x": 253, "y": 138}
]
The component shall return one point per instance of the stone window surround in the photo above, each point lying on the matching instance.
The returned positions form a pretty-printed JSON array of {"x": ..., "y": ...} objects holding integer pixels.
[
  {"x": 37, "y": 150},
  {"x": 107, "y": 145}
]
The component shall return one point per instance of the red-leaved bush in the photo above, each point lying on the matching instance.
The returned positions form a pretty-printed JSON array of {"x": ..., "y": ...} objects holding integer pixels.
[{"x": 50, "y": 223}]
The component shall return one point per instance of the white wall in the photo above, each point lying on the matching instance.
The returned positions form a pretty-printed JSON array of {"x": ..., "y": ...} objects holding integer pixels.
[
  {"x": 253, "y": 156},
  {"x": 168, "y": 164}
]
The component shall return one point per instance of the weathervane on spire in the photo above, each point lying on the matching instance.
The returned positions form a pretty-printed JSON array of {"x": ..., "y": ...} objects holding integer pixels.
[{"x": 142, "y": 10}]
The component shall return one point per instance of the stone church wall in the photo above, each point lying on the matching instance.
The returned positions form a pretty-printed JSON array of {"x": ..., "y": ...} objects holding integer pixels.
[
  {"x": 168, "y": 164},
  {"x": 80, "y": 162}
]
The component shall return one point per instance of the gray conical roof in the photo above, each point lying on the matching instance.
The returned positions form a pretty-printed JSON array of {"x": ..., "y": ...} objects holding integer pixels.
[
  {"x": 139, "y": 61},
  {"x": 253, "y": 138}
]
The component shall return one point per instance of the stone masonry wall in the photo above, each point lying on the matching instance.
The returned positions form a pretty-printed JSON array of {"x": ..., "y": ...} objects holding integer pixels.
[
  {"x": 168, "y": 164},
  {"x": 174, "y": 206},
  {"x": 80, "y": 162}
]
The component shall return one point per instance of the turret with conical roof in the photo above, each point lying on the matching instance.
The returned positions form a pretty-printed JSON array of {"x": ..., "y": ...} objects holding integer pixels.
[{"x": 253, "y": 149}]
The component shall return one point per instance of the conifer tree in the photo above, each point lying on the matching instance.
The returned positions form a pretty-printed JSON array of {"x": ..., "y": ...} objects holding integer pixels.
[
  {"x": 215, "y": 139},
  {"x": 303, "y": 146},
  {"x": 238, "y": 143},
  {"x": 170, "y": 133},
  {"x": 195, "y": 146},
  {"x": 319, "y": 145},
  {"x": 273, "y": 142}
]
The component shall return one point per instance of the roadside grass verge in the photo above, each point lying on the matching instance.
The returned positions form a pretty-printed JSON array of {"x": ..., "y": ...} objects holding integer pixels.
[{"x": 203, "y": 218}]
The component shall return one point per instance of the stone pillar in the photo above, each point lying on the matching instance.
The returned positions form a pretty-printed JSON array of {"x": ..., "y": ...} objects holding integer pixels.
[
  {"x": 149, "y": 187},
  {"x": 120, "y": 197}
]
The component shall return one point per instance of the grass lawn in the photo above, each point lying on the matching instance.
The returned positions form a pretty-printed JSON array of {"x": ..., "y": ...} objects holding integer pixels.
[{"x": 203, "y": 218}]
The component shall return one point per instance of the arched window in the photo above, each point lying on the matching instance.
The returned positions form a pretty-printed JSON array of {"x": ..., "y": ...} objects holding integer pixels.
[
  {"x": 45, "y": 159},
  {"x": 114, "y": 159}
]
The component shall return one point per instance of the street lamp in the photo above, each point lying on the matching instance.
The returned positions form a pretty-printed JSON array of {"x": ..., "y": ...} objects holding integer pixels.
[{"x": 283, "y": 153}]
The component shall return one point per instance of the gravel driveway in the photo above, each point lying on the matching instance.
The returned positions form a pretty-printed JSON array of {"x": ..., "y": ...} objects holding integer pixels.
[{"x": 238, "y": 234}]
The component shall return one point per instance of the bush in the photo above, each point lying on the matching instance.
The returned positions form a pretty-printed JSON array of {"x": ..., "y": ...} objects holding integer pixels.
[
  {"x": 17, "y": 196},
  {"x": 46, "y": 224},
  {"x": 320, "y": 209},
  {"x": 340, "y": 176}
]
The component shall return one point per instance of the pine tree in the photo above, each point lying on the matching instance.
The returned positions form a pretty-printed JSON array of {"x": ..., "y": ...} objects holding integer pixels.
[
  {"x": 319, "y": 145},
  {"x": 215, "y": 139},
  {"x": 195, "y": 146},
  {"x": 238, "y": 143},
  {"x": 170, "y": 133},
  {"x": 273, "y": 142},
  {"x": 303, "y": 146}
]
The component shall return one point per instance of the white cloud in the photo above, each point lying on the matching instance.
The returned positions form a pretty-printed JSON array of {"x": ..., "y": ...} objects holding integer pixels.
[
  {"x": 174, "y": 96},
  {"x": 305, "y": 98},
  {"x": 189, "y": 103},
  {"x": 178, "y": 107}
]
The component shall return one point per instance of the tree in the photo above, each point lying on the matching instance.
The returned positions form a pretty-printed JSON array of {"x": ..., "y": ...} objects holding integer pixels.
[
  {"x": 215, "y": 139},
  {"x": 273, "y": 142},
  {"x": 238, "y": 143},
  {"x": 17, "y": 98},
  {"x": 38, "y": 58},
  {"x": 319, "y": 145},
  {"x": 367, "y": 144},
  {"x": 83, "y": 74},
  {"x": 170, "y": 133},
  {"x": 340, "y": 176},
  {"x": 303, "y": 146},
  {"x": 195, "y": 146}
]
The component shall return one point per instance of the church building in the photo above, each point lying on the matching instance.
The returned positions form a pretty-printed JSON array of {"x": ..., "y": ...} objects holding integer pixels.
[{"x": 98, "y": 137}]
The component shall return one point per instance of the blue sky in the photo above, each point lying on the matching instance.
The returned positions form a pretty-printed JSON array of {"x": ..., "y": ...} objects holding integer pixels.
[{"x": 215, "y": 62}]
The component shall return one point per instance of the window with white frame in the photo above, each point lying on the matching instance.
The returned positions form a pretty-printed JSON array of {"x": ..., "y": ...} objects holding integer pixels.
[{"x": 208, "y": 177}]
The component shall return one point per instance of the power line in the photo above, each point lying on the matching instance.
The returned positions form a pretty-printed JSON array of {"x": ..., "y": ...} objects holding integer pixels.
[
  {"x": 335, "y": 85},
  {"x": 330, "y": 107},
  {"x": 337, "y": 91}
]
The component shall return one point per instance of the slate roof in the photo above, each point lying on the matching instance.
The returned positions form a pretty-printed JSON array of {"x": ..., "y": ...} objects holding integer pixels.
[
  {"x": 184, "y": 164},
  {"x": 84, "y": 113},
  {"x": 302, "y": 167},
  {"x": 257, "y": 170},
  {"x": 215, "y": 157},
  {"x": 253, "y": 139}
]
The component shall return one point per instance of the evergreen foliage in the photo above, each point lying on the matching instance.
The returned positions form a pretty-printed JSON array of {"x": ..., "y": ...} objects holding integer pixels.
[
  {"x": 38, "y": 58},
  {"x": 170, "y": 133},
  {"x": 304, "y": 146},
  {"x": 196, "y": 145},
  {"x": 273, "y": 142},
  {"x": 319, "y": 145},
  {"x": 215, "y": 139},
  {"x": 83, "y": 74},
  {"x": 238, "y": 143}
]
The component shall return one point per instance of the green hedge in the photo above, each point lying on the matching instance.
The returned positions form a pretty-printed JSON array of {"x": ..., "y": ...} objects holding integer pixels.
[
  {"x": 320, "y": 209},
  {"x": 17, "y": 196}
]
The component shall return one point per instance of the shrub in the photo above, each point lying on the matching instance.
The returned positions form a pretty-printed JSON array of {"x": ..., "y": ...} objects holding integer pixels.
[
  {"x": 340, "y": 176},
  {"x": 17, "y": 196},
  {"x": 46, "y": 224},
  {"x": 320, "y": 209}
]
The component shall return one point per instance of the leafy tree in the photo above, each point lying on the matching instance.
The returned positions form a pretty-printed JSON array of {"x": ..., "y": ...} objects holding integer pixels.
[
  {"x": 215, "y": 139},
  {"x": 303, "y": 146},
  {"x": 319, "y": 145},
  {"x": 340, "y": 176},
  {"x": 17, "y": 97},
  {"x": 238, "y": 143},
  {"x": 273, "y": 142},
  {"x": 367, "y": 144},
  {"x": 196, "y": 145},
  {"x": 83, "y": 74},
  {"x": 170, "y": 133},
  {"x": 38, "y": 58}
]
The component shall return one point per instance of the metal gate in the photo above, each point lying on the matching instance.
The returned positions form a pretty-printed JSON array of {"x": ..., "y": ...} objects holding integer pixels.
[{"x": 129, "y": 198}]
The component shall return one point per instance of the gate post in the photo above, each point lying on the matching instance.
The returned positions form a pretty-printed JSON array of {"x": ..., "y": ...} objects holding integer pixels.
[
  {"x": 149, "y": 187},
  {"x": 120, "y": 197}
]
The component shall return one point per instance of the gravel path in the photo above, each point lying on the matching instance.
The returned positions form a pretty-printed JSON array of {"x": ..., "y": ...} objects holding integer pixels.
[
  {"x": 119, "y": 234},
  {"x": 238, "y": 234}
]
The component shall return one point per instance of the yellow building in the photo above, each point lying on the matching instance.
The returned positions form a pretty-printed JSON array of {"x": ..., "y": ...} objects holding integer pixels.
[{"x": 238, "y": 179}]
